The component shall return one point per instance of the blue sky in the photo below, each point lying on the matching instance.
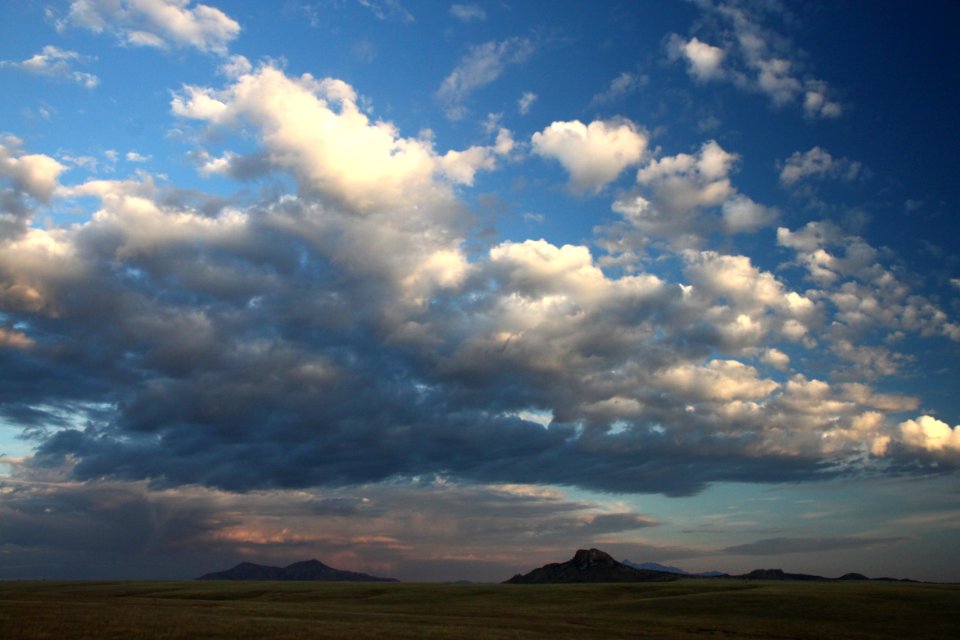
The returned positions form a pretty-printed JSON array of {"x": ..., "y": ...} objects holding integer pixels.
[{"x": 449, "y": 290}]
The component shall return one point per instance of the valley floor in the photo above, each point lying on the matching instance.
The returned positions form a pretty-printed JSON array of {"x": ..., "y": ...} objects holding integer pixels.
[{"x": 689, "y": 608}]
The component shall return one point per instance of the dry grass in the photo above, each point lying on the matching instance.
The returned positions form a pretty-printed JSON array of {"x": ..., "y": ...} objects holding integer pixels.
[{"x": 684, "y": 609}]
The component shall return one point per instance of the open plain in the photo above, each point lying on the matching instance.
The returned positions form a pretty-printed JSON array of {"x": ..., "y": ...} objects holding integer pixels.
[{"x": 689, "y": 608}]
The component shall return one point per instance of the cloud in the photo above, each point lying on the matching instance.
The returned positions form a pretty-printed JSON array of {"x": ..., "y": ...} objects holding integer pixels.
[
  {"x": 388, "y": 10},
  {"x": 620, "y": 87},
  {"x": 743, "y": 215},
  {"x": 865, "y": 293},
  {"x": 468, "y": 12},
  {"x": 365, "y": 165},
  {"x": 753, "y": 57},
  {"x": 678, "y": 196},
  {"x": 816, "y": 163},
  {"x": 525, "y": 102},
  {"x": 52, "y": 62},
  {"x": 595, "y": 154},
  {"x": 344, "y": 333},
  {"x": 928, "y": 434},
  {"x": 23, "y": 177},
  {"x": 481, "y": 65},
  {"x": 107, "y": 527},
  {"x": 782, "y": 546},
  {"x": 704, "y": 61},
  {"x": 156, "y": 23}
]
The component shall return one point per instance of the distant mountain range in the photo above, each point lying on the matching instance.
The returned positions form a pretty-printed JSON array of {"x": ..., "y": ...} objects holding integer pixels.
[
  {"x": 298, "y": 571},
  {"x": 590, "y": 565},
  {"x": 587, "y": 565},
  {"x": 593, "y": 565},
  {"x": 656, "y": 566}
]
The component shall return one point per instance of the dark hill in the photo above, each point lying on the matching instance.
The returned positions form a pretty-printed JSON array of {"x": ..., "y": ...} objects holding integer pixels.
[
  {"x": 589, "y": 566},
  {"x": 307, "y": 570},
  {"x": 779, "y": 574}
]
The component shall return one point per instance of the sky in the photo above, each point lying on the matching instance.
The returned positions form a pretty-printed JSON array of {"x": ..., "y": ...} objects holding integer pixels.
[{"x": 448, "y": 290}]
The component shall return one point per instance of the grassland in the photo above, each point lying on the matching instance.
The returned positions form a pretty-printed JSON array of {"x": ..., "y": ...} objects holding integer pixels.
[{"x": 683, "y": 609}]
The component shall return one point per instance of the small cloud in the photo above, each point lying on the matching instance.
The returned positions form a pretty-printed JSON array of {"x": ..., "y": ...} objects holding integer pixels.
[
  {"x": 479, "y": 67},
  {"x": 525, "y": 102},
  {"x": 468, "y": 12},
  {"x": 817, "y": 163},
  {"x": 704, "y": 61},
  {"x": 133, "y": 156},
  {"x": 52, "y": 62},
  {"x": 621, "y": 86},
  {"x": 388, "y": 10},
  {"x": 235, "y": 66},
  {"x": 364, "y": 51},
  {"x": 781, "y": 546}
]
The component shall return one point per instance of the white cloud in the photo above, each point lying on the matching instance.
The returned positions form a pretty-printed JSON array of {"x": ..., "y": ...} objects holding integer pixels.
[
  {"x": 754, "y": 58},
  {"x": 388, "y": 10},
  {"x": 468, "y": 12},
  {"x": 525, "y": 102},
  {"x": 743, "y": 215},
  {"x": 704, "y": 61},
  {"x": 776, "y": 359},
  {"x": 479, "y": 67},
  {"x": 315, "y": 129},
  {"x": 133, "y": 156},
  {"x": 683, "y": 182},
  {"x": 719, "y": 380},
  {"x": 595, "y": 154},
  {"x": 34, "y": 174},
  {"x": 235, "y": 66},
  {"x": 156, "y": 23},
  {"x": 52, "y": 62},
  {"x": 931, "y": 435},
  {"x": 816, "y": 163}
]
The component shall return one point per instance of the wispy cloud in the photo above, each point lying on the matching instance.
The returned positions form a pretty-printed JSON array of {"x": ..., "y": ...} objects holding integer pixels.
[
  {"x": 56, "y": 63},
  {"x": 481, "y": 65}
]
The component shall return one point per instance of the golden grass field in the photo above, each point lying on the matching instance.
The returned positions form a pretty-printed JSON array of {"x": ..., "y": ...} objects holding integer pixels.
[{"x": 689, "y": 608}]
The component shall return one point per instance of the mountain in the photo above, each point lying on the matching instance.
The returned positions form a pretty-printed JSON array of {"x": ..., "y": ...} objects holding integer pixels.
[
  {"x": 307, "y": 570},
  {"x": 656, "y": 566},
  {"x": 779, "y": 574},
  {"x": 590, "y": 565}
]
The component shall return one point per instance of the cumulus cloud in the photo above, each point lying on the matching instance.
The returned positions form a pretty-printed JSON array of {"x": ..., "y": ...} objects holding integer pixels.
[
  {"x": 259, "y": 346},
  {"x": 156, "y": 23},
  {"x": 52, "y": 62},
  {"x": 704, "y": 61},
  {"x": 865, "y": 293},
  {"x": 315, "y": 129},
  {"x": 928, "y": 434},
  {"x": 685, "y": 181},
  {"x": 23, "y": 177},
  {"x": 754, "y": 57},
  {"x": 595, "y": 154},
  {"x": 816, "y": 163},
  {"x": 481, "y": 65}
]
